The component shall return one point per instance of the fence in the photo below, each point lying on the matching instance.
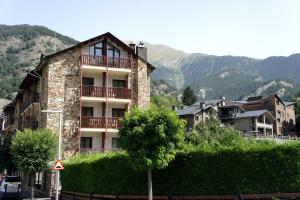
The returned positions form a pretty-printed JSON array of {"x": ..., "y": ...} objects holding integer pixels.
[{"x": 81, "y": 196}]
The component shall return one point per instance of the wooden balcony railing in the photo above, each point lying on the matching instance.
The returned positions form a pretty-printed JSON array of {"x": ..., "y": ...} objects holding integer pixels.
[
  {"x": 100, "y": 122},
  {"x": 110, "y": 92},
  {"x": 34, "y": 98},
  {"x": 98, "y": 150},
  {"x": 106, "y": 61}
]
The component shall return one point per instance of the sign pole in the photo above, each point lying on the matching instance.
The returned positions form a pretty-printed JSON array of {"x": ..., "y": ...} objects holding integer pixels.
[{"x": 59, "y": 144}]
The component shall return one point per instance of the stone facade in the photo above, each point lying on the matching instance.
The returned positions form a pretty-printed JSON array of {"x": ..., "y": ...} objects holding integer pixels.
[
  {"x": 58, "y": 84},
  {"x": 63, "y": 93},
  {"x": 285, "y": 115}
]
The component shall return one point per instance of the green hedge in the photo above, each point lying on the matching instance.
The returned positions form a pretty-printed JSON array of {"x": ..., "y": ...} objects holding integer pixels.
[{"x": 258, "y": 169}]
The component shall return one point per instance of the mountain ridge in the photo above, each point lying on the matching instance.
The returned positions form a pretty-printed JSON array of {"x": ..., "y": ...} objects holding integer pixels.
[{"x": 239, "y": 76}]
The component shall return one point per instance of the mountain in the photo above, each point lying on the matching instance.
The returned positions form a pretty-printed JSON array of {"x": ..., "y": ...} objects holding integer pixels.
[
  {"x": 211, "y": 76},
  {"x": 234, "y": 77},
  {"x": 20, "y": 49}
]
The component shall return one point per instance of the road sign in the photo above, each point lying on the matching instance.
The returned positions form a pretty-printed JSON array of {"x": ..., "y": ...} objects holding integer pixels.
[{"x": 58, "y": 166}]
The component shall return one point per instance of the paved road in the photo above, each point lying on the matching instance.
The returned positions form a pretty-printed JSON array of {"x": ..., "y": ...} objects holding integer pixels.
[{"x": 39, "y": 195}]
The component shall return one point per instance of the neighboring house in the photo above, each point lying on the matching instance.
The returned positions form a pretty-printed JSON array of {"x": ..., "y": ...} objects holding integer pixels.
[
  {"x": 200, "y": 112},
  {"x": 284, "y": 112},
  {"x": 256, "y": 121},
  {"x": 94, "y": 83}
]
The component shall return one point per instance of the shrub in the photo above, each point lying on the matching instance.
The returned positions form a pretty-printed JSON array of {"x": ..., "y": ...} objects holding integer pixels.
[{"x": 255, "y": 168}]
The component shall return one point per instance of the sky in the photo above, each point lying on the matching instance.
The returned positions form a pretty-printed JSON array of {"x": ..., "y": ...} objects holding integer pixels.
[{"x": 253, "y": 28}]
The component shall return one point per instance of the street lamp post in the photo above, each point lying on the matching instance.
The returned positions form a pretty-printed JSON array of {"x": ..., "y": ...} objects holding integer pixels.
[{"x": 59, "y": 146}]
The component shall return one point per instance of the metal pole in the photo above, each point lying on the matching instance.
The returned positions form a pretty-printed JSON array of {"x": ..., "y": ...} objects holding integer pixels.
[{"x": 58, "y": 156}]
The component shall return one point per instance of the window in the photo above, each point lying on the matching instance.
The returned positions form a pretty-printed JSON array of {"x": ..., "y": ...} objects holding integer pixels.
[
  {"x": 119, "y": 83},
  {"x": 197, "y": 118},
  {"x": 86, "y": 142},
  {"x": 115, "y": 143},
  {"x": 87, "y": 111},
  {"x": 279, "y": 113},
  {"x": 117, "y": 112},
  {"x": 113, "y": 51},
  {"x": 87, "y": 81},
  {"x": 278, "y": 120},
  {"x": 96, "y": 49},
  {"x": 277, "y": 102}
]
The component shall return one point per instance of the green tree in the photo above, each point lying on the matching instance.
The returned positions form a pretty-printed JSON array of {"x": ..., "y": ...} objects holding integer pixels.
[
  {"x": 5, "y": 155},
  {"x": 164, "y": 101},
  {"x": 151, "y": 138},
  {"x": 212, "y": 134},
  {"x": 32, "y": 150},
  {"x": 188, "y": 97}
]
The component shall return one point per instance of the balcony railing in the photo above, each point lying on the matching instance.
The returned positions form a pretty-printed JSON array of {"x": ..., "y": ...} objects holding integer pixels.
[
  {"x": 98, "y": 150},
  {"x": 100, "y": 122},
  {"x": 34, "y": 98},
  {"x": 107, "y": 61},
  {"x": 109, "y": 92}
]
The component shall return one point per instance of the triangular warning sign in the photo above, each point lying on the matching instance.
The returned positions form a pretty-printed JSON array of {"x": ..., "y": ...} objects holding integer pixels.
[{"x": 58, "y": 166}]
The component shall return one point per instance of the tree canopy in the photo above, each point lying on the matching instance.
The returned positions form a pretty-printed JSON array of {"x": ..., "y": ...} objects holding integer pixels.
[
  {"x": 151, "y": 137},
  {"x": 32, "y": 150},
  {"x": 188, "y": 97}
]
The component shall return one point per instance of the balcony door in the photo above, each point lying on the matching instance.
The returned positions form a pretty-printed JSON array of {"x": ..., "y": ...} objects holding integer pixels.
[
  {"x": 86, "y": 142},
  {"x": 87, "y": 81},
  {"x": 87, "y": 111},
  {"x": 88, "y": 86}
]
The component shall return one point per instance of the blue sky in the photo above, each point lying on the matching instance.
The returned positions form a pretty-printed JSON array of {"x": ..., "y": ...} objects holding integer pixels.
[{"x": 255, "y": 28}]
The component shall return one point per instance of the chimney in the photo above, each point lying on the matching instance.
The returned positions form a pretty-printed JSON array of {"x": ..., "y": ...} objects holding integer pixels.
[
  {"x": 141, "y": 51},
  {"x": 202, "y": 104},
  {"x": 132, "y": 46}
]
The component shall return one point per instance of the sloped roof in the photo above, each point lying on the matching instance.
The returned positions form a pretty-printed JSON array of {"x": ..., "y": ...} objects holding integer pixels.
[
  {"x": 209, "y": 102},
  {"x": 105, "y": 35},
  {"x": 190, "y": 110},
  {"x": 254, "y": 113},
  {"x": 288, "y": 103}
]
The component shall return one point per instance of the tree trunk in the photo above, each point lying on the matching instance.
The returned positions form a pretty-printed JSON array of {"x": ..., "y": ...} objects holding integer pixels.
[
  {"x": 150, "y": 193},
  {"x": 32, "y": 185}
]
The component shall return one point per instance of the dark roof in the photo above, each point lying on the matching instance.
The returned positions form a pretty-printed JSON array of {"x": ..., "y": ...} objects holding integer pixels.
[
  {"x": 253, "y": 113},
  {"x": 190, "y": 110},
  {"x": 288, "y": 103},
  {"x": 209, "y": 102},
  {"x": 232, "y": 105}
]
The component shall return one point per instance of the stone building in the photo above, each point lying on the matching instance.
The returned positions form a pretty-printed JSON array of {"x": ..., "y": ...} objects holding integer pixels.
[
  {"x": 200, "y": 112},
  {"x": 284, "y": 112},
  {"x": 93, "y": 83}
]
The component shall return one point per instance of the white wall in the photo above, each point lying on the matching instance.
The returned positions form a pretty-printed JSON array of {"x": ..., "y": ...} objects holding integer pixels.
[{"x": 97, "y": 139}]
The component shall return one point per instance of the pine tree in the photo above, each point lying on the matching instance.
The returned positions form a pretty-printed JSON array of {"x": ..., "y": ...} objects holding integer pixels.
[{"x": 188, "y": 97}]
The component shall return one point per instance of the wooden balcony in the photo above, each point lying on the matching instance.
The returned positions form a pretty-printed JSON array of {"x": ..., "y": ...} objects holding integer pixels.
[
  {"x": 105, "y": 61},
  {"x": 109, "y": 92},
  {"x": 98, "y": 150},
  {"x": 34, "y": 98},
  {"x": 100, "y": 122}
]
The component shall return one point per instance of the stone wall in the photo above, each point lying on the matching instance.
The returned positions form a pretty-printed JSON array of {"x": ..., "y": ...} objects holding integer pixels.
[
  {"x": 143, "y": 84},
  {"x": 62, "y": 92}
]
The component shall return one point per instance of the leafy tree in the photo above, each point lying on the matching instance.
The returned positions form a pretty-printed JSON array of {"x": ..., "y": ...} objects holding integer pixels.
[
  {"x": 151, "y": 138},
  {"x": 32, "y": 150},
  {"x": 188, "y": 97},
  {"x": 212, "y": 135},
  {"x": 164, "y": 101}
]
